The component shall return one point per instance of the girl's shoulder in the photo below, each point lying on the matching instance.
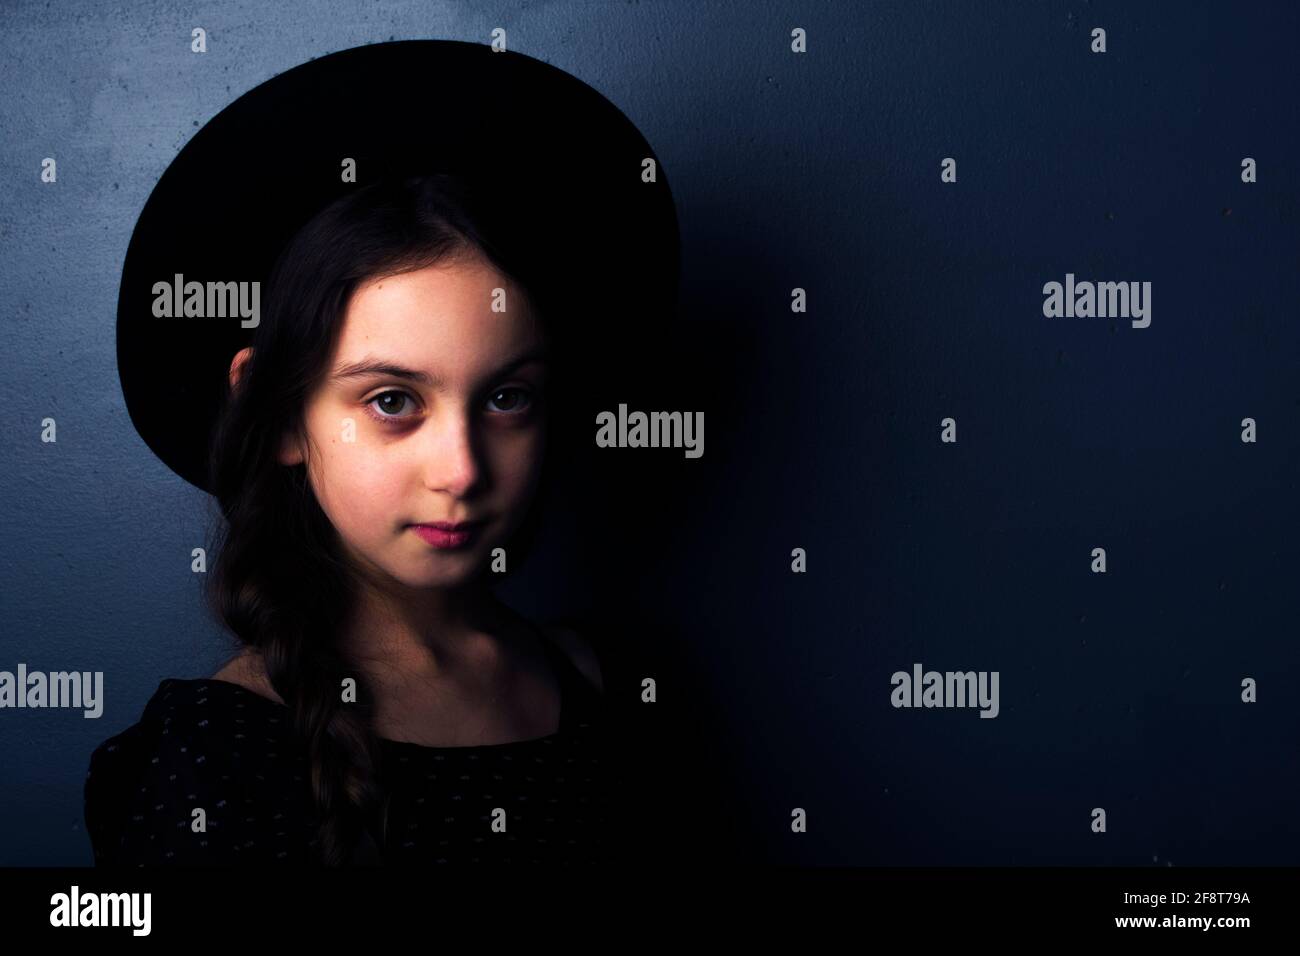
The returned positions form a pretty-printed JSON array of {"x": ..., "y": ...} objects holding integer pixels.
[
  {"x": 579, "y": 649},
  {"x": 247, "y": 671},
  {"x": 194, "y": 743},
  {"x": 190, "y": 722}
]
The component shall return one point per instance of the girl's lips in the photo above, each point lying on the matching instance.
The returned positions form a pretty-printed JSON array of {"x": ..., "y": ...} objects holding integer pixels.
[{"x": 440, "y": 537}]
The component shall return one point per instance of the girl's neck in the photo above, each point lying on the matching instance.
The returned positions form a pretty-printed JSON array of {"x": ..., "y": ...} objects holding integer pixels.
[{"x": 429, "y": 634}]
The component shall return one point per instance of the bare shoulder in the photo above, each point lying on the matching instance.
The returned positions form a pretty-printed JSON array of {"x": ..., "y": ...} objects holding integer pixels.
[
  {"x": 246, "y": 670},
  {"x": 579, "y": 651}
]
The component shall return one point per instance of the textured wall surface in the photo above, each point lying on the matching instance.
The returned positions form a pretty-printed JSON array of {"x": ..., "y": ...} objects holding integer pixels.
[{"x": 819, "y": 171}]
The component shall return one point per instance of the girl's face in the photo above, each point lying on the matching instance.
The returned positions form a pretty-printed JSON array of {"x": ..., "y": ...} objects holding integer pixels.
[{"x": 430, "y": 412}]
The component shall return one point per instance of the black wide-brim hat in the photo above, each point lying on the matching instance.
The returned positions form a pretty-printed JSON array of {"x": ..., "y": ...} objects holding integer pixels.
[{"x": 567, "y": 163}]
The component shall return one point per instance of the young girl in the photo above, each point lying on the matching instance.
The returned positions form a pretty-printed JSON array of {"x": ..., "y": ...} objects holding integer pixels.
[{"x": 376, "y": 465}]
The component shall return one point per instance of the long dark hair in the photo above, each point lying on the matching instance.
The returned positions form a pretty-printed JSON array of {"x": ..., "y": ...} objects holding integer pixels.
[{"x": 280, "y": 582}]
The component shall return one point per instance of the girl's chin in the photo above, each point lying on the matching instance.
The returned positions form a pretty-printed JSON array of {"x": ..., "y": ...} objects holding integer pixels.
[{"x": 452, "y": 570}]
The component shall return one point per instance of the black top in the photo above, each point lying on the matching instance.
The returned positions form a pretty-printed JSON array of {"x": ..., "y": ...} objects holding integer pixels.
[{"x": 214, "y": 745}]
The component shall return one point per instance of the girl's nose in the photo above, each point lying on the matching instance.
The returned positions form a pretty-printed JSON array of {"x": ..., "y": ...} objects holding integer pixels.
[{"x": 451, "y": 458}]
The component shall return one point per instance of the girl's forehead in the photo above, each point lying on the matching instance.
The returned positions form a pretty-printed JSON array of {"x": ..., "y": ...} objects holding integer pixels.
[
  {"x": 462, "y": 282},
  {"x": 456, "y": 313},
  {"x": 468, "y": 292}
]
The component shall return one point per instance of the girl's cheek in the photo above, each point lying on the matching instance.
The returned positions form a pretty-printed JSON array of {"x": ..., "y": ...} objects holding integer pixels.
[{"x": 363, "y": 471}]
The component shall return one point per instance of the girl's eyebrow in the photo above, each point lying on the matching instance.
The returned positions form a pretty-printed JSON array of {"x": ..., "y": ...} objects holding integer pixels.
[{"x": 378, "y": 366}]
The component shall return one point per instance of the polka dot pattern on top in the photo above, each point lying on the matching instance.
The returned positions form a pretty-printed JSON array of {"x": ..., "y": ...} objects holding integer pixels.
[{"x": 213, "y": 745}]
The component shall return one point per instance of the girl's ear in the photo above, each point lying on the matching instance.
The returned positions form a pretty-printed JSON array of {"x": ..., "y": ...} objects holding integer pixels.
[
  {"x": 237, "y": 365},
  {"x": 290, "y": 451}
]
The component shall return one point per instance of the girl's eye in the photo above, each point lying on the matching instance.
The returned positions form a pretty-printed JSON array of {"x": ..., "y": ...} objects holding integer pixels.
[
  {"x": 388, "y": 403},
  {"x": 514, "y": 405},
  {"x": 509, "y": 401}
]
